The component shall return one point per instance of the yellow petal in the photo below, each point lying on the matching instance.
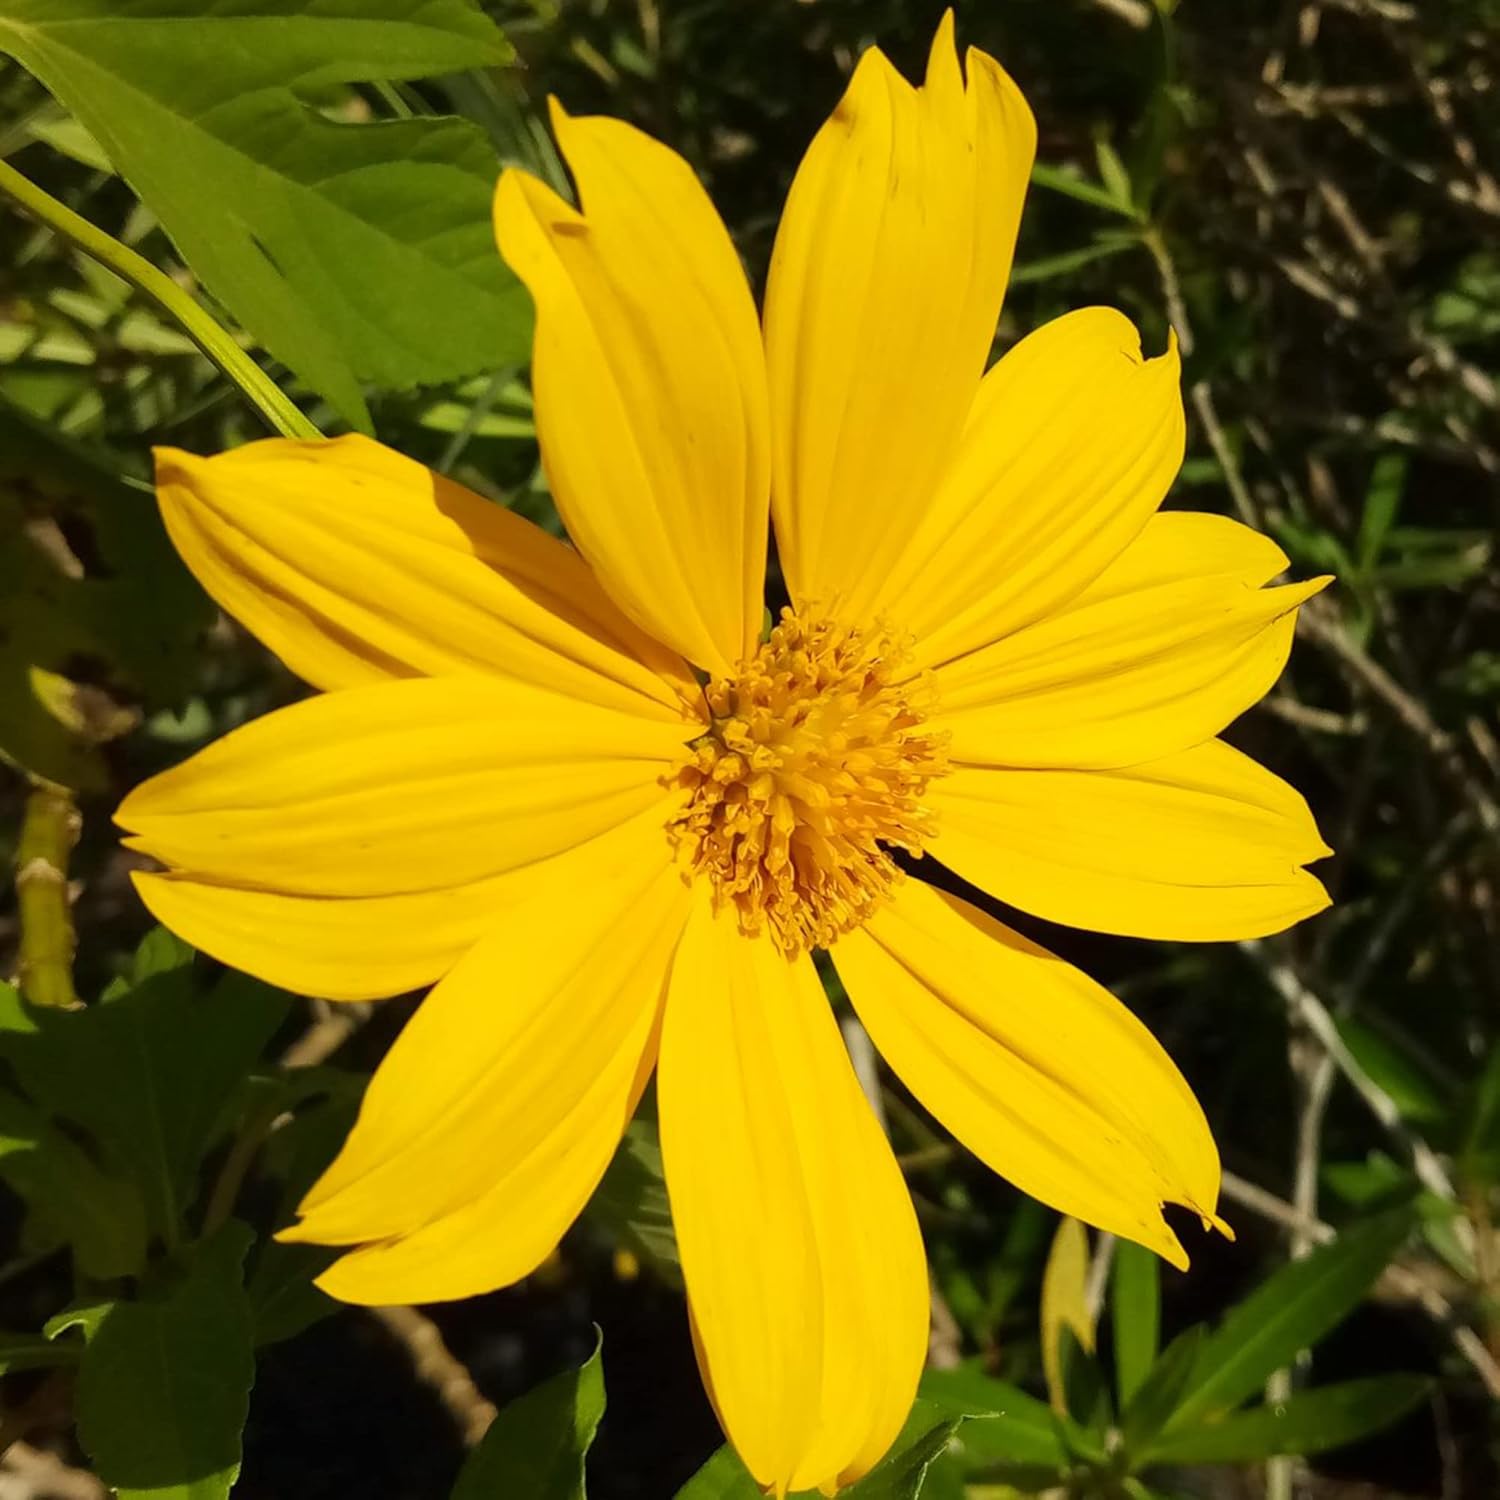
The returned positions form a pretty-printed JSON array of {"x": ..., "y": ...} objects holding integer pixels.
[
  {"x": 884, "y": 291},
  {"x": 356, "y": 565},
  {"x": 1070, "y": 447},
  {"x": 1172, "y": 641},
  {"x": 650, "y": 385},
  {"x": 1039, "y": 1071},
  {"x": 800, "y": 1250},
  {"x": 1204, "y": 845},
  {"x": 368, "y": 947},
  {"x": 416, "y": 785},
  {"x": 497, "y": 1109},
  {"x": 357, "y": 948},
  {"x": 1065, "y": 1306}
]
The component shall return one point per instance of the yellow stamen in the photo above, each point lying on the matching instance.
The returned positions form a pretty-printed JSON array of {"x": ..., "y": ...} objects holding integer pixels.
[{"x": 814, "y": 766}]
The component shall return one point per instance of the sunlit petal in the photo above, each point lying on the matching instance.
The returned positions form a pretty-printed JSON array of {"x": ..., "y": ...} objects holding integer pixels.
[
  {"x": 416, "y": 785},
  {"x": 356, "y": 565},
  {"x": 800, "y": 1250},
  {"x": 1204, "y": 845},
  {"x": 1170, "y": 643},
  {"x": 1070, "y": 447},
  {"x": 884, "y": 290},
  {"x": 1039, "y": 1071},
  {"x": 650, "y": 385},
  {"x": 493, "y": 1116}
]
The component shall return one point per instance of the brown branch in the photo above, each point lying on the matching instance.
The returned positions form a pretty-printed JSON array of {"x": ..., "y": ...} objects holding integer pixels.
[{"x": 437, "y": 1368}]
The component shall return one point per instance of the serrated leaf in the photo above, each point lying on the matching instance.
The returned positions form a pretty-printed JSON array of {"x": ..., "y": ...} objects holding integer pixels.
[
  {"x": 353, "y": 252},
  {"x": 164, "y": 1384},
  {"x": 1135, "y": 1316},
  {"x": 1287, "y": 1313},
  {"x": 537, "y": 1445},
  {"x": 1309, "y": 1423}
]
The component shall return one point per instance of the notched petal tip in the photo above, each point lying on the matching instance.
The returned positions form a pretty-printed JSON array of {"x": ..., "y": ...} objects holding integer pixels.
[
  {"x": 1212, "y": 1220},
  {"x": 942, "y": 56},
  {"x": 1292, "y": 596}
]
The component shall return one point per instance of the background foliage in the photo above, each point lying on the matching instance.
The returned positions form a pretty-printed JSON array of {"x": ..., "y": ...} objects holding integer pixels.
[{"x": 1306, "y": 189}]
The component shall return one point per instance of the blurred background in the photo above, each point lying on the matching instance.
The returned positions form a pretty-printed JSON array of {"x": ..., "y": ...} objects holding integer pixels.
[{"x": 1307, "y": 191}]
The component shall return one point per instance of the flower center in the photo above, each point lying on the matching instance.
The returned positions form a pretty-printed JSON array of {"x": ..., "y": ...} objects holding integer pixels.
[{"x": 814, "y": 766}]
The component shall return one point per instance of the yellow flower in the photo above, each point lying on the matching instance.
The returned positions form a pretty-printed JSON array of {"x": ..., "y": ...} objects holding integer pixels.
[{"x": 579, "y": 791}]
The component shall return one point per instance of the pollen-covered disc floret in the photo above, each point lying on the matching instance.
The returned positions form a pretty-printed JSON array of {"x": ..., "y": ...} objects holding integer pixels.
[{"x": 814, "y": 766}]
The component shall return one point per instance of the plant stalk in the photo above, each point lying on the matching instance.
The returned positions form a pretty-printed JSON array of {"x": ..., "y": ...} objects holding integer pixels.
[
  {"x": 215, "y": 341},
  {"x": 49, "y": 830}
]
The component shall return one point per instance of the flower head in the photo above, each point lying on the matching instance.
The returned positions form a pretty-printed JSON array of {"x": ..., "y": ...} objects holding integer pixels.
[{"x": 577, "y": 791}]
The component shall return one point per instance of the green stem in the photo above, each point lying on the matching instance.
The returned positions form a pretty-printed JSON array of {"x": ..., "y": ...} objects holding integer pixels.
[
  {"x": 213, "y": 340},
  {"x": 49, "y": 830},
  {"x": 253, "y": 1134}
]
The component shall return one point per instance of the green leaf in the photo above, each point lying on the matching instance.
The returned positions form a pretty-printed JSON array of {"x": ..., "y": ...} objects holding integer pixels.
[
  {"x": 723, "y": 1477},
  {"x": 1068, "y": 261},
  {"x": 85, "y": 1316},
  {"x": 536, "y": 1447},
  {"x": 1412, "y": 1090},
  {"x": 164, "y": 1385},
  {"x": 160, "y": 952},
  {"x": 1288, "y": 1313},
  {"x": 1382, "y": 500},
  {"x": 900, "y": 1475},
  {"x": 69, "y": 1198},
  {"x": 1309, "y": 1423},
  {"x": 630, "y": 1202},
  {"x": 150, "y": 1075},
  {"x": 1135, "y": 1313},
  {"x": 1112, "y": 173},
  {"x": 283, "y": 1298},
  {"x": 1159, "y": 1393},
  {"x": 353, "y": 252},
  {"x": 1073, "y": 184},
  {"x": 1370, "y": 1183},
  {"x": 32, "y": 1351},
  {"x": 1018, "y": 1429}
]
